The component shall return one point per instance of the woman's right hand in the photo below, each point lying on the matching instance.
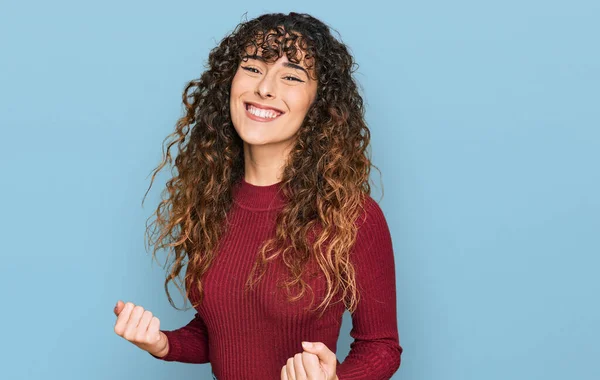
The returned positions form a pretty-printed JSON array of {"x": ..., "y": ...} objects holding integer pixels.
[{"x": 140, "y": 328}]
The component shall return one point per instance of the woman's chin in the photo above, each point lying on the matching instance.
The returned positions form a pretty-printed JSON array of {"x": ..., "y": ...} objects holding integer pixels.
[
  {"x": 256, "y": 136},
  {"x": 256, "y": 140}
]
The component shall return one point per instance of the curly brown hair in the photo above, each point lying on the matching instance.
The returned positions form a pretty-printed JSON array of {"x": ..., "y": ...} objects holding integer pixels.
[{"x": 325, "y": 180}]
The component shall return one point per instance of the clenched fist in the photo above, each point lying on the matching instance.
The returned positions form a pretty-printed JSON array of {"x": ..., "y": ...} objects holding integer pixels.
[
  {"x": 141, "y": 328},
  {"x": 317, "y": 362}
]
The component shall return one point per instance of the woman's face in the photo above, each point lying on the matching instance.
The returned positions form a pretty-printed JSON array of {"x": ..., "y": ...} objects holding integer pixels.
[{"x": 268, "y": 101}]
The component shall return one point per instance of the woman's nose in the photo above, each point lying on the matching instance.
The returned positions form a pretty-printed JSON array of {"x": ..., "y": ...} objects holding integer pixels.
[{"x": 266, "y": 87}]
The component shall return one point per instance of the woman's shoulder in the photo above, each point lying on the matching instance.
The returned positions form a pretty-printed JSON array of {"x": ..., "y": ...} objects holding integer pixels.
[
  {"x": 373, "y": 238},
  {"x": 371, "y": 223},
  {"x": 371, "y": 213}
]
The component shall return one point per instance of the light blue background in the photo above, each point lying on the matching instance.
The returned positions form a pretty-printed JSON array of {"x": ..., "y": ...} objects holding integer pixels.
[{"x": 485, "y": 122}]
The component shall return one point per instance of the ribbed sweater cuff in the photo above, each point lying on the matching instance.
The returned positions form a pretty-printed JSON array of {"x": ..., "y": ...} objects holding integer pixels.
[{"x": 174, "y": 348}]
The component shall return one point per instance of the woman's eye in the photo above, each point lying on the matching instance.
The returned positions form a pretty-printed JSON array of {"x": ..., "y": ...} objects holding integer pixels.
[
  {"x": 256, "y": 71},
  {"x": 251, "y": 69},
  {"x": 293, "y": 78}
]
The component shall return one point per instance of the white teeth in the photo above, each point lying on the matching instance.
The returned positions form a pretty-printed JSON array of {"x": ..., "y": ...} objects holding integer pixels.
[{"x": 262, "y": 113}]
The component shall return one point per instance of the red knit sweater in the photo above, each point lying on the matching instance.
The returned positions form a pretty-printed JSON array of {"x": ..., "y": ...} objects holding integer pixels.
[{"x": 251, "y": 336}]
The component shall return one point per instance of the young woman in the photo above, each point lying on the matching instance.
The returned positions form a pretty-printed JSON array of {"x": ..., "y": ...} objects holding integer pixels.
[{"x": 271, "y": 211}]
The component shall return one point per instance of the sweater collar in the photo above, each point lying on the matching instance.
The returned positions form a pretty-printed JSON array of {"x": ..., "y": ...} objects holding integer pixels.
[{"x": 258, "y": 198}]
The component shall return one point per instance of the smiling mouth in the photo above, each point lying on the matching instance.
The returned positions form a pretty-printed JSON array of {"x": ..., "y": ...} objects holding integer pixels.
[{"x": 259, "y": 114}]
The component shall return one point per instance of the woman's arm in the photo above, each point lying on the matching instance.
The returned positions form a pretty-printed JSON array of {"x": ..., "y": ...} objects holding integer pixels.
[
  {"x": 375, "y": 352},
  {"x": 188, "y": 344}
]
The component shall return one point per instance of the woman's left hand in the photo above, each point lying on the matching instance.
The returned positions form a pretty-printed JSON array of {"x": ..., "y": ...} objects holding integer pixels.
[{"x": 317, "y": 362}]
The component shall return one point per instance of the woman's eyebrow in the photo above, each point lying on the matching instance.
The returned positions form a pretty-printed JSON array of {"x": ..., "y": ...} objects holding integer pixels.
[{"x": 286, "y": 64}]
